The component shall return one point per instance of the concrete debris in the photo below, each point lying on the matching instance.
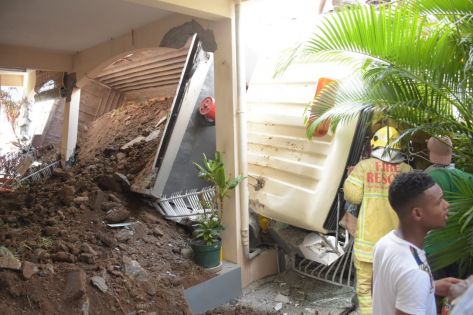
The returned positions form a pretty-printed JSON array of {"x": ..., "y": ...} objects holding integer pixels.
[
  {"x": 123, "y": 235},
  {"x": 86, "y": 248},
  {"x": 114, "y": 198},
  {"x": 81, "y": 199},
  {"x": 281, "y": 298},
  {"x": 99, "y": 283},
  {"x": 132, "y": 268},
  {"x": 277, "y": 306},
  {"x": 161, "y": 121},
  {"x": 153, "y": 135},
  {"x": 8, "y": 260},
  {"x": 97, "y": 197},
  {"x": 122, "y": 180},
  {"x": 132, "y": 142},
  {"x": 187, "y": 252}
]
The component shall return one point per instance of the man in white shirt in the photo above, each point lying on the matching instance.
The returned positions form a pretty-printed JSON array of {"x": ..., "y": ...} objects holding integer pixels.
[{"x": 402, "y": 280}]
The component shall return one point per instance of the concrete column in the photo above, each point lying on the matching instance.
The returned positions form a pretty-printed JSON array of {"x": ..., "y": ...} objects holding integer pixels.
[
  {"x": 70, "y": 127},
  {"x": 226, "y": 100}
]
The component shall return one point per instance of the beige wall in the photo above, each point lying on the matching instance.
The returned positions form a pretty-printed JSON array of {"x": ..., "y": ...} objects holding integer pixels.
[{"x": 32, "y": 58}]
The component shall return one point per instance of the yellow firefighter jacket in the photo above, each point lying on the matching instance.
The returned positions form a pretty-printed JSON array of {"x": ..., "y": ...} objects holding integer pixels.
[{"x": 368, "y": 185}]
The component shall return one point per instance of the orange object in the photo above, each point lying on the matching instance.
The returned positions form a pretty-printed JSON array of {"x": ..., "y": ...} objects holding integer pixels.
[{"x": 323, "y": 128}]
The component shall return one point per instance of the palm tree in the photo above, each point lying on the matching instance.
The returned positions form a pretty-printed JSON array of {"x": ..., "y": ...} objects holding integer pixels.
[{"x": 414, "y": 64}]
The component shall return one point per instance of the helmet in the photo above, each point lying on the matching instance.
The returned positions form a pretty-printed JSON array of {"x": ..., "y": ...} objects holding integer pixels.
[{"x": 384, "y": 136}]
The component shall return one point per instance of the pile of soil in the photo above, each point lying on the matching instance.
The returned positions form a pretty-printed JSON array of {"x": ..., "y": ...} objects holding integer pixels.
[{"x": 59, "y": 256}]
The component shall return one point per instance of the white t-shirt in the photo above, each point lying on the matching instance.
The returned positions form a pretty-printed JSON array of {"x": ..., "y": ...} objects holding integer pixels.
[{"x": 398, "y": 280}]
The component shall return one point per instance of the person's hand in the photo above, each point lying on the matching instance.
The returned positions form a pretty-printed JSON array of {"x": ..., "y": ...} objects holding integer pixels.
[{"x": 442, "y": 286}]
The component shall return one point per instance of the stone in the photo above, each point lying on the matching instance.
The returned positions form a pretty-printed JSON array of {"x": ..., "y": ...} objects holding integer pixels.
[
  {"x": 67, "y": 194},
  {"x": 187, "y": 252},
  {"x": 140, "y": 230},
  {"x": 132, "y": 268},
  {"x": 86, "y": 248},
  {"x": 87, "y": 258},
  {"x": 29, "y": 269},
  {"x": 8, "y": 260},
  {"x": 107, "y": 240},
  {"x": 121, "y": 156},
  {"x": 50, "y": 231},
  {"x": 75, "y": 285},
  {"x": 59, "y": 172},
  {"x": 153, "y": 135},
  {"x": 281, "y": 298},
  {"x": 107, "y": 205},
  {"x": 64, "y": 257},
  {"x": 99, "y": 283},
  {"x": 117, "y": 215},
  {"x": 157, "y": 231},
  {"x": 123, "y": 235},
  {"x": 122, "y": 180},
  {"x": 97, "y": 197},
  {"x": 132, "y": 142}
]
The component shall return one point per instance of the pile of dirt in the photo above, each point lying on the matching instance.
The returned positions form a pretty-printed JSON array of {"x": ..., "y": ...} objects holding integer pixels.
[
  {"x": 57, "y": 244},
  {"x": 129, "y": 136}
]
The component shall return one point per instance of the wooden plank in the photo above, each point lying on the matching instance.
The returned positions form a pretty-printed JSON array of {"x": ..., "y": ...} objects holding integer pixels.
[
  {"x": 150, "y": 85},
  {"x": 178, "y": 54},
  {"x": 177, "y": 68},
  {"x": 102, "y": 103},
  {"x": 146, "y": 81}
]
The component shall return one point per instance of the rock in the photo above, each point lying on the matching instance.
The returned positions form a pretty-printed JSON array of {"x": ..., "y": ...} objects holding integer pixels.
[
  {"x": 132, "y": 268},
  {"x": 149, "y": 287},
  {"x": 29, "y": 269},
  {"x": 81, "y": 200},
  {"x": 99, "y": 283},
  {"x": 150, "y": 218},
  {"x": 140, "y": 230},
  {"x": 86, "y": 248},
  {"x": 122, "y": 180},
  {"x": 281, "y": 298},
  {"x": 8, "y": 260},
  {"x": 41, "y": 255},
  {"x": 64, "y": 257},
  {"x": 107, "y": 240},
  {"x": 121, "y": 156},
  {"x": 153, "y": 135},
  {"x": 123, "y": 235},
  {"x": 157, "y": 231},
  {"x": 107, "y": 205},
  {"x": 117, "y": 215},
  {"x": 277, "y": 306},
  {"x": 75, "y": 285},
  {"x": 132, "y": 142},
  {"x": 187, "y": 252},
  {"x": 73, "y": 249},
  {"x": 87, "y": 258},
  {"x": 97, "y": 197},
  {"x": 67, "y": 194}
]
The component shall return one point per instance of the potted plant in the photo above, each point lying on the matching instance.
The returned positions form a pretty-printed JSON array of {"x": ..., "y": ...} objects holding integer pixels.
[{"x": 206, "y": 243}]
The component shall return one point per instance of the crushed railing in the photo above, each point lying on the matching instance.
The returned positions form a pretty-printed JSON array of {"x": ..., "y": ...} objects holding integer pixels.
[
  {"x": 185, "y": 205},
  {"x": 39, "y": 175},
  {"x": 341, "y": 272}
]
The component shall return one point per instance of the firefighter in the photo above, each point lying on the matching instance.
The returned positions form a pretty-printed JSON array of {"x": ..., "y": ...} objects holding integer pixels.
[{"x": 367, "y": 185}]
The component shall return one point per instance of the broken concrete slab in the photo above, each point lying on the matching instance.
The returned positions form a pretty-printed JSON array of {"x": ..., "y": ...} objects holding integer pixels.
[
  {"x": 132, "y": 142},
  {"x": 99, "y": 283}
]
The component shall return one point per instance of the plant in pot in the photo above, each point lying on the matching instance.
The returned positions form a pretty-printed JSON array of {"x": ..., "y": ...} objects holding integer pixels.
[{"x": 206, "y": 243}]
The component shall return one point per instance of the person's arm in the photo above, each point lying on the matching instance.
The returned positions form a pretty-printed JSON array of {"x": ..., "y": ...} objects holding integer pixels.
[
  {"x": 353, "y": 186},
  {"x": 442, "y": 286}
]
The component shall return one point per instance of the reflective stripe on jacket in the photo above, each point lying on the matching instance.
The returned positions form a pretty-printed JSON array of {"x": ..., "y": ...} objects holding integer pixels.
[{"x": 368, "y": 185}]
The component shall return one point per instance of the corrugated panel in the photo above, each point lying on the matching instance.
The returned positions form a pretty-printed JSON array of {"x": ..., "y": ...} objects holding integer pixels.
[{"x": 292, "y": 179}]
